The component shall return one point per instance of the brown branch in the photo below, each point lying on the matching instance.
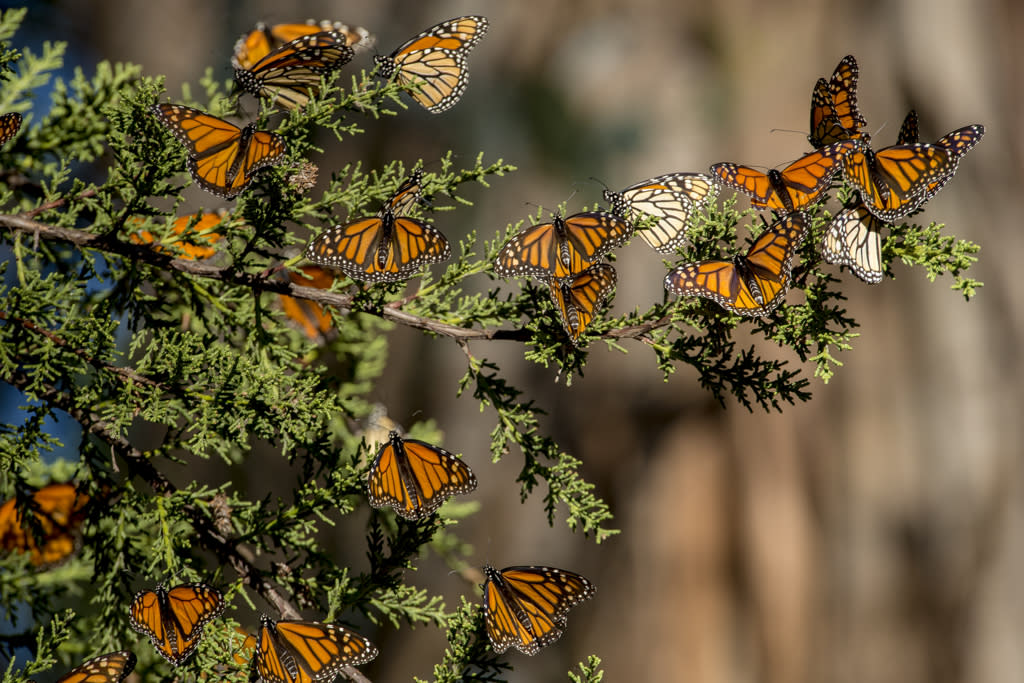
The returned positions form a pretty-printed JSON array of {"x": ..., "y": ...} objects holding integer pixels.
[{"x": 233, "y": 552}]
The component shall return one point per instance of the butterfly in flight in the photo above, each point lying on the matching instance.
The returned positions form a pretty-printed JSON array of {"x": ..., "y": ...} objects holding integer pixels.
[
  {"x": 853, "y": 238},
  {"x": 563, "y": 248},
  {"x": 435, "y": 62},
  {"x": 174, "y": 619},
  {"x": 578, "y": 299},
  {"x": 794, "y": 187},
  {"x": 526, "y": 607},
  {"x": 112, "y": 667},
  {"x": 57, "y": 511},
  {"x": 263, "y": 39},
  {"x": 834, "y": 112},
  {"x": 222, "y": 157},
  {"x": 292, "y": 73},
  {"x": 388, "y": 247},
  {"x": 307, "y": 651},
  {"x": 194, "y": 228},
  {"x": 10, "y": 124},
  {"x": 753, "y": 284},
  {"x": 415, "y": 478},
  {"x": 671, "y": 198}
]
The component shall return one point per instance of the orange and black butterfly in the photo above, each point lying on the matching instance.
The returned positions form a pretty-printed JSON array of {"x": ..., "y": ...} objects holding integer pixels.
[
  {"x": 415, "y": 478},
  {"x": 854, "y": 239},
  {"x": 194, "y": 228},
  {"x": 49, "y": 533},
  {"x": 292, "y": 73},
  {"x": 310, "y": 316},
  {"x": 578, "y": 299},
  {"x": 671, "y": 198},
  {"x": 435, "y": 62},
  {"x": 834, "y": 112},
  {"x": 112, "y": 667},
  {"x": 388, "y": 247},
  {"x": 894, "y": 181},
  {"x": 794, "y": 187},
  {"x": 174, "y": 619},
  {"x": 754, "y": 284},
  {"x": 10, "y": 124},
  {"x": 563, "y": 248},
  {"x": 526, "y": 607},
  {"x": 222, "y": 157},
  {"x": 307, "y": 651},
  {"x": 262, "y": 40}
]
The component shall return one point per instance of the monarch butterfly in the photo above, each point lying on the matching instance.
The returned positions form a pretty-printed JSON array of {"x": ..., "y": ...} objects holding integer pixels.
[
  {"x": 49, "y": 535},
  {"x": 853, "y": 238},
  {"x": 291, "y": 74},
  {"x": 435, "y": 61},
  {"x": 959, "y": 142},
  {"x": 222, "y": 156},
  {"x": 174, "y": 619},
  {"x": 259, "y": 42},
  {"x": 577, "y": 300},
  {"x": 794, "y": 187},
  {"x": 112, "y": 667},
  {"x": 526, "y": 607},
  {"x": 670, "y": 198},
  {"x": 10, "y": 124},
  {"x": 309, "y": 315},
  {"x": 388, "y": 247},
  {"x": 834, "y": 112},
  {"x": 307, "y": 651},
  {"x": 415, "y": 478},
  {"x": 563, "y": 248},
  {"x": 754, "y": 284},
  {"x": 894, "y": 181},
  {"x": 200, "y": 227}
]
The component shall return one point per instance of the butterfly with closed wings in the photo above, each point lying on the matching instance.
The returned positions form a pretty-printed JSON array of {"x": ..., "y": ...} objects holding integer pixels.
[
  {"x": 307, "y": 651},
  {"x": 434, "y": 62},
  {"x": 174, "y": 619},
  {"x": 671, "y": 198},
  {"x": 388, "y": 247},
  {"x": 563, "y": 248},
  {"x": 415, "y": 477},
  {"x": 578, "y": 299},
  {"x": 264, "y": 38},
  {"x": 753, "y": 284},
  {"x": 526, "y": 607},
  {"x": 291, "y": 74},
  {"x": 222, "y": 157},
  {"x": 834, "y": 112},
  {"x": 798, "y": 185}
]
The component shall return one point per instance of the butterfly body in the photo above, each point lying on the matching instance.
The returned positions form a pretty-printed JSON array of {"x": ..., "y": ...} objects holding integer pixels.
[
  {"x": 307, "y": 651},
  {"x": 415, "y": 477},
  {"x": 112, "y": 667},
  {"x": 291, "y": 74},
  {"x": 388, "y": 247},
  {"x": 525, "y": 607},
  {"x": 753, "y": 284},
  {"x": 435, "y": 62},
  {"x": 174, "y": 619},
  {"x": 578, "y": 299},
  {"x": 563, "y": 248},
  {"x": 671, "y": 198}
]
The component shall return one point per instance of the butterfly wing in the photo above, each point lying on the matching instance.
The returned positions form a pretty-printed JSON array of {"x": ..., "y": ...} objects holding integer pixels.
[
  {"x": 415, "y": 477},
  {"x": 745, "y": 179},
  {"x": 10, "y": 124},
  {"x": 526, "y": 607},
  {"x": 292, "y": 73},
  {"x": 310, "y": 316},
  {"x": 842, "y": 88},
  {"x": 435, "y": 61},
  {"x": 853, "y": 238},
  {"x": 578, "y": 300},
  {"x": 958, "y": 143},
  {"x": 909, "y": 131},
  {"x": 670, "y": 198},
  {"x": 258, "y": 43},
  {"x": 112, "y": 667},
  {"x": 307, "y": 651},
  {"x": 563, "y": 248}
]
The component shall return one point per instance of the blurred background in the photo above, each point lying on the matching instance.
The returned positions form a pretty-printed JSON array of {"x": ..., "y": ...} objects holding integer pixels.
[{"x": 873, "y": 534}]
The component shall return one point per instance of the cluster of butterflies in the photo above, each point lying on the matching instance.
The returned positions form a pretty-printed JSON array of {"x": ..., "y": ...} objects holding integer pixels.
[
  {"x": 287, "y": 63},
  {"x": 525, "y": 607},
  {"x": 891, "y": 183}
]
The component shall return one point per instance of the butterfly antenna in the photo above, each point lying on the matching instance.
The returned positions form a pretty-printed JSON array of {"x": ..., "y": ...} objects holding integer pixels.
[
  {"x": 786, "y": 130},
  {"x": 600, "y": 182}
]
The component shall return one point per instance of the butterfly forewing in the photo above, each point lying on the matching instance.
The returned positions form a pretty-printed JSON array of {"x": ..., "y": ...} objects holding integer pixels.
[
  {"x": 526, "y": 607},
  {"x": 112, "y": 667},
  {"x": 415, "y": 477}
]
